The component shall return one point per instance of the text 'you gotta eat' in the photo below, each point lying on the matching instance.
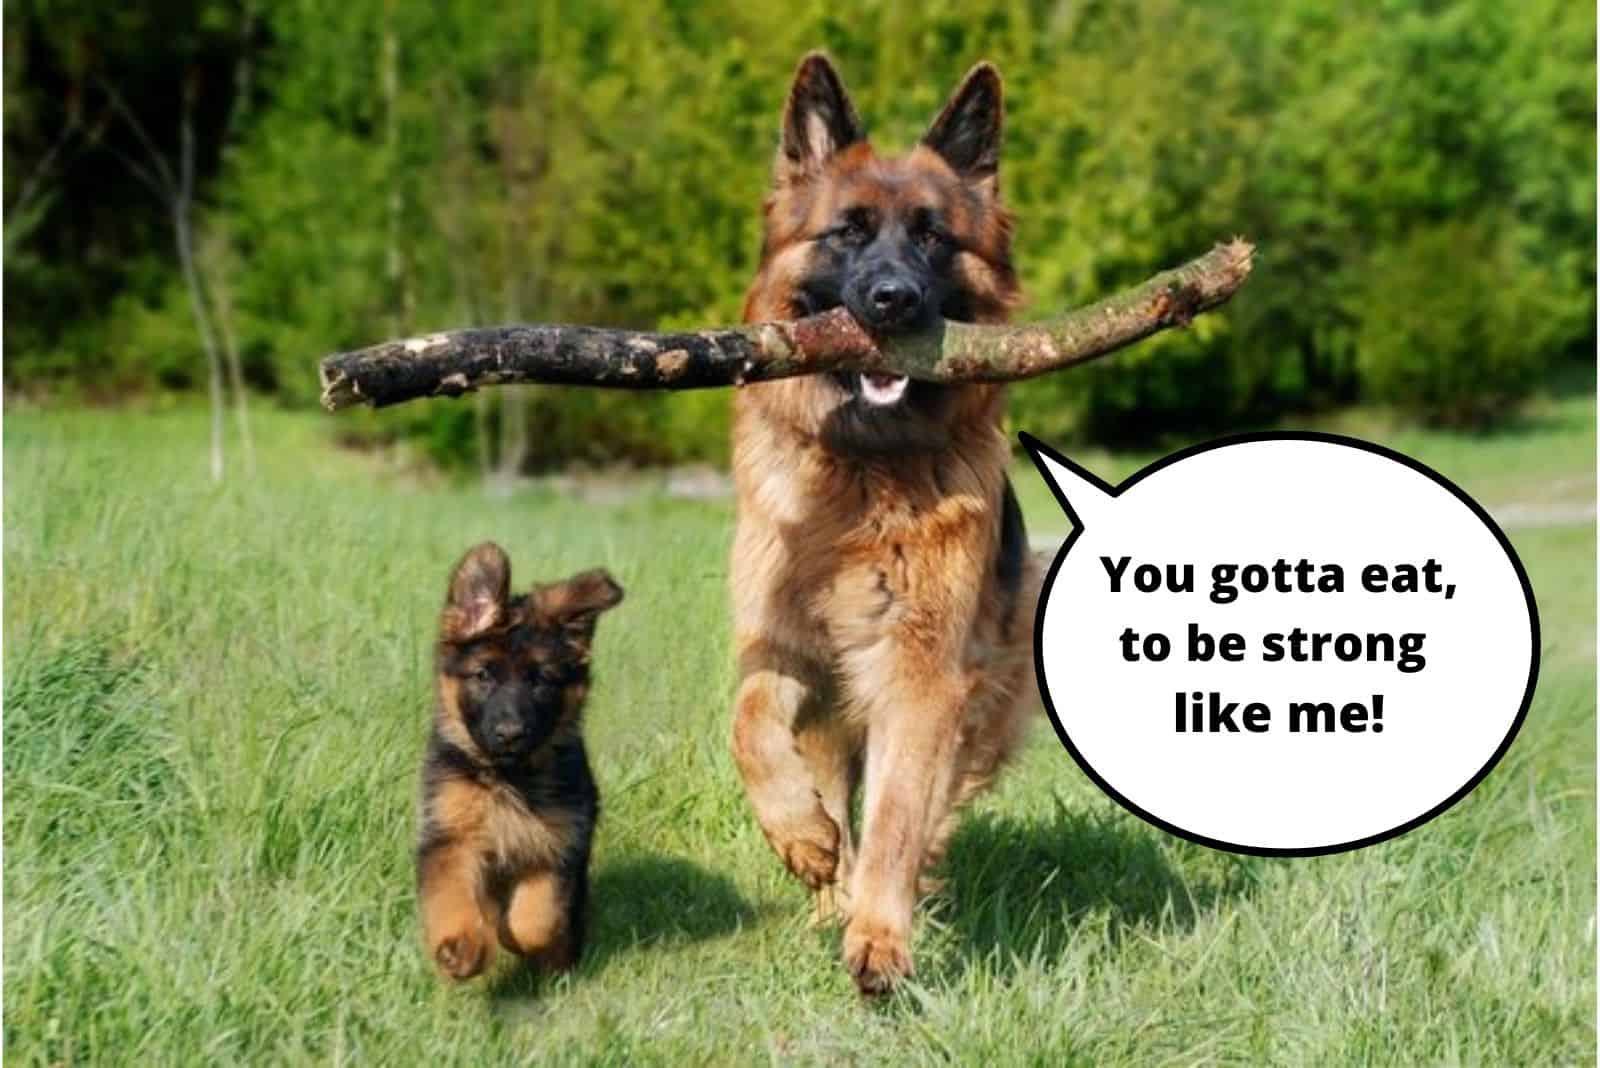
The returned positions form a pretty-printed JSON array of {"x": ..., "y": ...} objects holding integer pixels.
[{"x": 1281, "y": 576}]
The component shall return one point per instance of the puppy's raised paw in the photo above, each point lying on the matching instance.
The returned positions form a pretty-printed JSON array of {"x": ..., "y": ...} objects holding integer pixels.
[{"x": 462, "y": 955}]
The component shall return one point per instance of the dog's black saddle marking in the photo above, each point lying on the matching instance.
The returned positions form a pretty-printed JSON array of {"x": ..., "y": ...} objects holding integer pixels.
[{"x": 1013, "y": 551}]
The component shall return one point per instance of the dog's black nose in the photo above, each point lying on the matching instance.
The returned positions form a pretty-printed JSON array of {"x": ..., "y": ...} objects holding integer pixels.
[
  {"x": 894, "y": 301},
  {"x": 506, "y": 732}
]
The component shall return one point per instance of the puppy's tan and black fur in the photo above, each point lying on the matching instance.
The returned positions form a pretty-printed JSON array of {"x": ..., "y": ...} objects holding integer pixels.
[
  {"x": 883, "y": 593},
  {"x": 508, "y": 802}
]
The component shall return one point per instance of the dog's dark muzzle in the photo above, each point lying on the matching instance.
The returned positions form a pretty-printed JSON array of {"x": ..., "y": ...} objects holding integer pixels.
[
  {"x": 887, "y": 301},
  {"x": 517, "y": 722}
]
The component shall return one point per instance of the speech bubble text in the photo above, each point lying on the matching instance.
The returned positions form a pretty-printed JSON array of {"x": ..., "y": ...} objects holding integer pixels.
[{"x": 1283, "y": 644}]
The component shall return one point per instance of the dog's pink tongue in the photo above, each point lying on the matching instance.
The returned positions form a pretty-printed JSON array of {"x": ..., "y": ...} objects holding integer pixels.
[{"x": 883, "y": 381}]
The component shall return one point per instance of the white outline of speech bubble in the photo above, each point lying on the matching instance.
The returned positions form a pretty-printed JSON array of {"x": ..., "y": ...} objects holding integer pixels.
[{"x": 1038, "y": 452}]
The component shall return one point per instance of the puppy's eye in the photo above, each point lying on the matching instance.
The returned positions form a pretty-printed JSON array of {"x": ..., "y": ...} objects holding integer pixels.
[{"x": 482, "y": 674}]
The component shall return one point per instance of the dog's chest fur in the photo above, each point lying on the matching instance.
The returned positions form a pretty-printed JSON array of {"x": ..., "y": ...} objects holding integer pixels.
[
  {"x": 516, "y": 819},
  {"x": 835, "y": 551}
]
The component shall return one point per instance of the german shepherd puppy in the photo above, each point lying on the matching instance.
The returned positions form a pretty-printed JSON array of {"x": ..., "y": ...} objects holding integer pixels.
[
  {"x": 883, "y": 593},
  {"x": 508, "y": 803}
]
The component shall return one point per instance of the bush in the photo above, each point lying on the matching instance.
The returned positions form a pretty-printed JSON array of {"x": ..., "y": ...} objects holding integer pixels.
[
  {"x": 1455, "y": 327},
  {"x": 603, "y": 161}
]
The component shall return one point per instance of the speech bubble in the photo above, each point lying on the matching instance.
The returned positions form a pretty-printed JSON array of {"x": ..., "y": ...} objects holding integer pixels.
[{"x": 1283, "y": 644}]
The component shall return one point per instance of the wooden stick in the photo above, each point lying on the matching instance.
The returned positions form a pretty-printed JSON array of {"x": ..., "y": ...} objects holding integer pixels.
[{"x": 458, "y": 361}]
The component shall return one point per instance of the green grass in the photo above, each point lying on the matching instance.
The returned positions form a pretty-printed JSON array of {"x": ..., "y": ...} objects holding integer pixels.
[{"x": 215, "y": 702}]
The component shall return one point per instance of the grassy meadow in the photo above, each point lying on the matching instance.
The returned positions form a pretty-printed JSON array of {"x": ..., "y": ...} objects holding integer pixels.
[{"x": 215, "y": 701}]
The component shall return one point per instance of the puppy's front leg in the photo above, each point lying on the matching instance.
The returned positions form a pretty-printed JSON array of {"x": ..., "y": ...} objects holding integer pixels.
[
  {"x": 459, "y": 938},
  {"x": 912, "y": 740},
  {"x": 538, "y": 921}
]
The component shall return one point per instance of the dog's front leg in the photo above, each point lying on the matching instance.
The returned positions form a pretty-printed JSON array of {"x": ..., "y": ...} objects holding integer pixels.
[
  {"x": 912, "y": 739},
  {"x": 776, "y": 692}
]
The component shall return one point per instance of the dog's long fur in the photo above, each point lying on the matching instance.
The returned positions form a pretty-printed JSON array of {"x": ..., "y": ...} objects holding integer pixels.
[
  {"x": 508, "y": 802},
  {"x": 882, "y": 589}
]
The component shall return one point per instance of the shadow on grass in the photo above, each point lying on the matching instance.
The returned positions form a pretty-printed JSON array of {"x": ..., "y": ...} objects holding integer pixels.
[
  {"x": 638, "y": 903},
  {"x": 1020, "y": 888}
]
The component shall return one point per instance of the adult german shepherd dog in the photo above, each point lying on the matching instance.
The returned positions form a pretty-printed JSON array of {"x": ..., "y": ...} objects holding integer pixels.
[{"x": 882, "y": 588}]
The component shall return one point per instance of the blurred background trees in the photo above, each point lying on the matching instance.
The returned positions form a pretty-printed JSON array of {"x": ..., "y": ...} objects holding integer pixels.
[{"x": 1419, "y": 175}]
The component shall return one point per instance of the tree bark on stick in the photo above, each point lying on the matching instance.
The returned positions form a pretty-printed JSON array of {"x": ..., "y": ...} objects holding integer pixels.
[{"x": 456, "y": 362}]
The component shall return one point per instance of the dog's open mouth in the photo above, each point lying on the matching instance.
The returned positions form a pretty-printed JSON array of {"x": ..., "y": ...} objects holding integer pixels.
[{"x": 883, "y": 390}]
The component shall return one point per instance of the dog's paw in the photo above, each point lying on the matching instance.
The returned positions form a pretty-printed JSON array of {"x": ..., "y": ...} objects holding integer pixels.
[
  {"x": 876, "y": 956},
  {"x": 811, "y": 850},
  {"x": 462, "y": 955}
]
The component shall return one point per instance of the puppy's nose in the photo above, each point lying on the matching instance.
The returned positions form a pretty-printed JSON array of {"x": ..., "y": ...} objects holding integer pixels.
[
  {"x": 894, "y": 301},
  {"x": 506, "y": 732}
]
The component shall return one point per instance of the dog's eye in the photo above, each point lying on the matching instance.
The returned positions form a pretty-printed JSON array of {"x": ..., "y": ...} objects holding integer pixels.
[
  {"x": 855, "y": 229},
  {"x": 482, "y": 674},
  {"x": 932, "y": 239},
  {"x": 926, "y": 231}
]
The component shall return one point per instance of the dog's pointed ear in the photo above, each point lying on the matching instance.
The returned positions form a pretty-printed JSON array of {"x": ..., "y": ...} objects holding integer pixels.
[
  {"x": 818, "y": 121},
  {"x": 967, "y": 132},
  {"x": 575, "y": 603},
  {"x": 480, "y": 589}
]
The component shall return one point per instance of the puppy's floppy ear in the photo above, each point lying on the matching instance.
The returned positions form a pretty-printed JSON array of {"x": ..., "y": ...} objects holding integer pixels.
[
  {"x": 967, "y": 132},
  {"x": 480, "y": 588},
  {"x": 818, "y": 121},
  {"x": 575, "y": 603}
]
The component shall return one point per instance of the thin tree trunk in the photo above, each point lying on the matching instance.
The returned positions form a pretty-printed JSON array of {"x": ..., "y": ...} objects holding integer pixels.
[
  {"x": 219, "y": 261},
  {"x": 18, "y": 225},
  {"x": 182, "y": 205},
  {"x": 243, "y": 82},
  {"x": 393, "y": 264},
  {"x": 513, "y": 410},
  {"x": 176, "y": 192},
  {"x": 513, "y": 434},
  {"x": 480, "y": 423},
  {"x": 202, "y": 321},
  {"x": 449, "y": 203}
]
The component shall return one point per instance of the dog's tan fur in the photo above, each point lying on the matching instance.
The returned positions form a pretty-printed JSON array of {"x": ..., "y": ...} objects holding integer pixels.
[{"x": 876, "y": 645}]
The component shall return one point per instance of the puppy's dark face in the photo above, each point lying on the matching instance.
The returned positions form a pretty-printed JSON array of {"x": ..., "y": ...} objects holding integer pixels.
[
  {"x": 900, "y": 242},
  {"x": 513, "y": 689},
  {"x": 514, "y": 670}
]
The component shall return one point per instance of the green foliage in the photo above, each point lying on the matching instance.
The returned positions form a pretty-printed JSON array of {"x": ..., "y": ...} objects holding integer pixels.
[
  {"x": 87, "y": 245},
  {"x": 1453, "y": 328},
  {"x": 604, "y": 162}
]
